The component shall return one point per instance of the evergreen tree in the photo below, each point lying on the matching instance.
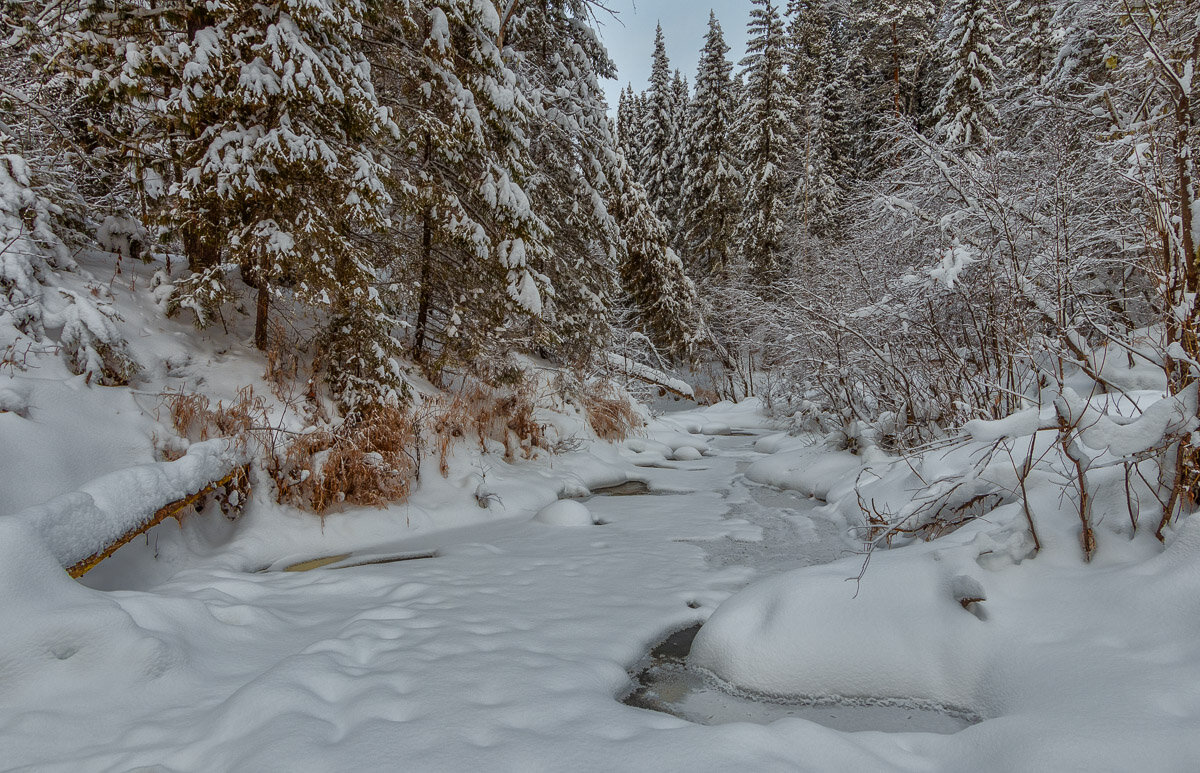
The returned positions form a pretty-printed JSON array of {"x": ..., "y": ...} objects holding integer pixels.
[
  {"x": 560, "y": 59},
  {"x": 629, "y": 122},
  {"x": 653, "y": 275},
  {"x": 964, "y": 111},
  {"x": 252, "y": 128},
  {"x": 808, "y": 38},
  {"x": 712, "y": 184},
  {"x": 1031, "y": 44},
  {"x": 660, "y": 137},
  {"x": 681, "y": 108},
  {"x": 460, "y": 166},
  {"x": 897, "y": 41},
  {"x": 828, "y": 171},
  {"x": 768, "y": 142}
]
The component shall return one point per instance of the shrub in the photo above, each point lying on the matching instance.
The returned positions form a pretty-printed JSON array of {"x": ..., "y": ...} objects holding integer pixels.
[
  {"x": 370, "y": 459},
  {"x": 610, "y": 412}
]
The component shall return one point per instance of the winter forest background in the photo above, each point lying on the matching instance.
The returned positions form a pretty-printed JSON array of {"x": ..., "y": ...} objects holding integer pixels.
[
  {"x": 889, "y": 218},
  {"x": 387, "y": 294}
]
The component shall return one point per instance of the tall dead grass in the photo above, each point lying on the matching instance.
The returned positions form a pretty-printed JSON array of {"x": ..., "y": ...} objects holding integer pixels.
[
  {"x": 610, "y": 412},
  {"x": 504, "y": 416},
  {"x": 368, "y": 460},
  {"x": 373, "y": 458},
  {"x": 195, "y": 417}
]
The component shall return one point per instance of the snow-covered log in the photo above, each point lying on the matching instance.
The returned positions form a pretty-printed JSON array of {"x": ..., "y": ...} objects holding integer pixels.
[
  {"x": 85, "y": 526},
  {"x": 651, "y": 376}
]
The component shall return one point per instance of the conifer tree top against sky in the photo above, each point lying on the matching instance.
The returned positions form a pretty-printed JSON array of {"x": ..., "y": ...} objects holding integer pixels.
[{"x": 630, "y": 36}]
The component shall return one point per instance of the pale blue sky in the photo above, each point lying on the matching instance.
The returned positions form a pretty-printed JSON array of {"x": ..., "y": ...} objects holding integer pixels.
[{"x": 630, "y": 36}]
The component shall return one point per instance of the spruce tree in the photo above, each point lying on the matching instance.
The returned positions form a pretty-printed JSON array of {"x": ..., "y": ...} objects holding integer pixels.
[
  {"x": 559, "y": 60},
  {"x": 252, "y": 130},
  {"x": 897, "y": 40},
  {"x": 712, "y": 183},
  {"x": 629, "y": 121},
  {"x": 768, "y": 143},
  {"x": 808, "y": 37},
  {"x": 1031, "y": 45},
  {"x": 460, "y": 164},
  {"x": 681, "y": 108},
  {"x": 964, "y": 111},
  {"x": 653, "y": 275},
  {"x": 660, "y": 137},
  {"x": 828, "y": 171}
]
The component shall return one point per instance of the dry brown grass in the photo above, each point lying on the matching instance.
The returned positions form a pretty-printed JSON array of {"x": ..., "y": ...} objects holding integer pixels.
[
  {"x": 289, "y": 362},
  {"x": 611, "y": 414},
  {"x": 373, "y": 459},
  {"x": 368, "y": 460},
  {"x": 195, "y": 418},
  {"x": 505, "y": 416},
  {"x": 706, "y": 396}
]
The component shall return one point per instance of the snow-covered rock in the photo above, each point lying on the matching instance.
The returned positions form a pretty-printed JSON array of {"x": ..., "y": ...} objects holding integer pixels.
[{"x": 565, "y": 512}]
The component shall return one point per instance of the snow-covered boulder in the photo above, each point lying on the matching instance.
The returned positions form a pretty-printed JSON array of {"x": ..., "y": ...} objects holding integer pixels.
[
  {"x": 900, "y": 633},
  {"x": 565, "y": 512}
]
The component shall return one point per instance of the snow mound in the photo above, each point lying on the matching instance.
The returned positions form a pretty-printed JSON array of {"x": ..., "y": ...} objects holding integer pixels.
[
  {"x": 686, "y": 454},
  {"x": 57, "y": 633},
  {"x": 565, "y": 512},
  {"x": 813, "y": 469},
  {"x": 905, "y": 634}
]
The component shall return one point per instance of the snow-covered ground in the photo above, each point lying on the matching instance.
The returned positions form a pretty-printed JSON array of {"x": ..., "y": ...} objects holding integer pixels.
[{"x": 509, "y": 647}]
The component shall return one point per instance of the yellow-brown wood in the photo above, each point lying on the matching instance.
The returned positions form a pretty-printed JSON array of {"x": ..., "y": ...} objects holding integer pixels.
[
  {"x": 316, "y": 563},
  {"x": 172, "y": 510}
]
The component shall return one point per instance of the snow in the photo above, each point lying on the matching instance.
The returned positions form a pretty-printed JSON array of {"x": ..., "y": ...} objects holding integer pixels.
[
  {"x": 78, "y": 524},
  {"x": 1070, "y": 666},
  {"x": 1024, "y": 422},
  {"x": 953, "y": 261},
  {"x": 649, "y": 374},
  {"x": 491, "y": 622},
  {"x": 805, "y": 466},
  {"x": 486, "y": 635},
  {"x": 565, "y": 513}
]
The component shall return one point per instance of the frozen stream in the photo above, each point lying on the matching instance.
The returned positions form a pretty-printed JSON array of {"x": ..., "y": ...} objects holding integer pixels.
[
  {"x": 504, "y": 649},
  {"x": 792, "y": 536}
]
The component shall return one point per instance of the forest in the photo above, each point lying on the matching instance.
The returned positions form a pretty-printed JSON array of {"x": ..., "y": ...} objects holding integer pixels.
[{"x": 356, "y": 310}]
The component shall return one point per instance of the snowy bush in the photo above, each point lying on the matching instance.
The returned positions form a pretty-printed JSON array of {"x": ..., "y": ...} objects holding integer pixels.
[{"x": 36, "y": 309}]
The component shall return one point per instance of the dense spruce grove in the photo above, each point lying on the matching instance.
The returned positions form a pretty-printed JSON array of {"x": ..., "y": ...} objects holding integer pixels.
[
  {"x": 430, "y": 180},
  {"x": 895, "y": 216}
]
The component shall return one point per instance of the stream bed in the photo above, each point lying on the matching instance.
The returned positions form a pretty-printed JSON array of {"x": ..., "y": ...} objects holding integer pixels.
[{"x": 666, "y": 683}]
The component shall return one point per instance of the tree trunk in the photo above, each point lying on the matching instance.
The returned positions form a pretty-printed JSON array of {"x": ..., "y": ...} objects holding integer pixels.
[
  {"x": 1187, "y": 255},
  {"x": 425, "y": 297},
  {"x": 262, "y": 307},
  {"x": 201, "y": 253}
]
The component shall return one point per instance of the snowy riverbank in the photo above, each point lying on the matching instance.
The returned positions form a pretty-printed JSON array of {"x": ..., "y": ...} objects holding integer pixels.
[{"x": 509, "y": 648}]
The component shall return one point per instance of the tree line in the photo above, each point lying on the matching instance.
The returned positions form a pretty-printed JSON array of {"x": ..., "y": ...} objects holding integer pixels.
[
  {"x": 904, "y": 215},
  {"x": 434, "y": 180}
]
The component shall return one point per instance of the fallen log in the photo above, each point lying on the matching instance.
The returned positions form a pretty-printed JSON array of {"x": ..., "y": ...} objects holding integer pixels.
[
  {"x": 237, "y": 480},
  {"x": 82, "y": 527},
  {"x": 648, "y": 375}
]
